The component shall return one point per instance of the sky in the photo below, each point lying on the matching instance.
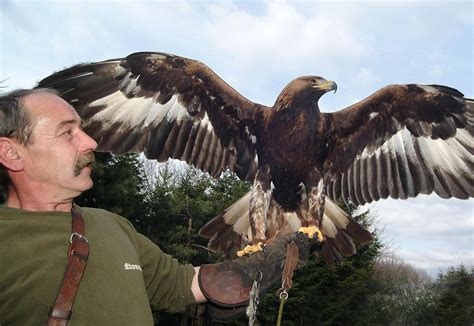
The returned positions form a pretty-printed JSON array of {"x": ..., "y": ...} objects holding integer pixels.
[{"x": 258, "y": 47}]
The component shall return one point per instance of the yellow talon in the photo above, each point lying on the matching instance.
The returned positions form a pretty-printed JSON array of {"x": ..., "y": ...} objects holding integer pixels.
[
  {"x": 250, "y": 249},
  {"x": 311, "y": 231}
]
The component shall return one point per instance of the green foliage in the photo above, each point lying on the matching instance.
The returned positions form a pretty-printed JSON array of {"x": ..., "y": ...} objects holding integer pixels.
[
  {"x": 178, "y": 202},
  {"x": 454, "y": 304},
  {"x": 118, "y": 183}
]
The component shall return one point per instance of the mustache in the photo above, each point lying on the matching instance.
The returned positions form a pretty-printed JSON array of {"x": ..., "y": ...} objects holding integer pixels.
[{"x": 82, "y": 162}]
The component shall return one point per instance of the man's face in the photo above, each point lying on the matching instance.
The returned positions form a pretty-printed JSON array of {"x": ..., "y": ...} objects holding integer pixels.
[{"x": 59, "y": 154}]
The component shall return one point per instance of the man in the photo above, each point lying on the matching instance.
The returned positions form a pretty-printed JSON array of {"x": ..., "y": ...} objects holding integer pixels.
[{"x": 47, "y": 159}]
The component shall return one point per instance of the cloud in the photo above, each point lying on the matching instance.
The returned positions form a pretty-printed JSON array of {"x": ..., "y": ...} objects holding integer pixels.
[
  {"x": 427, "y": 231},
  {"x": 434, "y": 260},
  {"x": 283, "y": 30},
  {"x": 430, "y": 215}
]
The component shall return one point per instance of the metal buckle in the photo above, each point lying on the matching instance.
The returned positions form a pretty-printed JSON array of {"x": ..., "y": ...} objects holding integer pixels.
[{"x": 80, "y": 236}]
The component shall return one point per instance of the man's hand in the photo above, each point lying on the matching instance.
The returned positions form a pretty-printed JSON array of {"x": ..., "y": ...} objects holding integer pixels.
[{"x": 227, "y": 284}]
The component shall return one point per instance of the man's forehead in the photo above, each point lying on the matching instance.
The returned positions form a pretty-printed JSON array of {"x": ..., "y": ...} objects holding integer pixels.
[{"x": 49, "y": 105}]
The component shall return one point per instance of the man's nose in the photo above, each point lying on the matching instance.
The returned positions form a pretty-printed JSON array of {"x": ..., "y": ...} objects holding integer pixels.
[{"x": 87, "y": 143}]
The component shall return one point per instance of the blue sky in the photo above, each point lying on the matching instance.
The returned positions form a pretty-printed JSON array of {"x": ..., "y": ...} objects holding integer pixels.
[{"x": 258, "y": 47}]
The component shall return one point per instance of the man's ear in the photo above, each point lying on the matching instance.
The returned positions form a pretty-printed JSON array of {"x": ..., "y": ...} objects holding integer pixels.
[{"x": 9, "y": 156}]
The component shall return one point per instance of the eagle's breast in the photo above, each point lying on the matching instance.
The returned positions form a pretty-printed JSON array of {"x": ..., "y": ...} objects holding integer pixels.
[{"x": 288, "y": 142}]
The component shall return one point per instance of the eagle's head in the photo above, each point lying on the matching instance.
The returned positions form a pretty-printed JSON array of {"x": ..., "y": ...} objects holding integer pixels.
[{"x": 304, "y": 91}]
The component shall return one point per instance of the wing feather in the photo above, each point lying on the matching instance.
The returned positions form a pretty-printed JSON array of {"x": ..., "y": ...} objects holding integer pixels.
[
  {"x": 373, "y": 178},
  {"x": 165, "y": 106},
  {"x": 188, "y": 150},
  {"x": 365, "y": 178},
  {"x": 346, "y": 192},
  {"x": 402, "y": 141},
  {"x": 182, "y": 139},
  {"x": 357, "y": 181},
  {"x": 198, "y": 145}
]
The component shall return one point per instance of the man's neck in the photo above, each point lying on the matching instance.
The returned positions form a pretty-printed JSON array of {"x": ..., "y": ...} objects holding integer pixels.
[{"x": 37, "y": 203}]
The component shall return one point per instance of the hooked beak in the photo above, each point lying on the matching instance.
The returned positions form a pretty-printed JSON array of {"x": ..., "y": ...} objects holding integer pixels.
[{"x": 327, "y": 86}]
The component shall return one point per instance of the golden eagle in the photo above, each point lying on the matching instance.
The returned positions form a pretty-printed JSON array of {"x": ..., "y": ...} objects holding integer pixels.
[{"x": 401, "y": 141}]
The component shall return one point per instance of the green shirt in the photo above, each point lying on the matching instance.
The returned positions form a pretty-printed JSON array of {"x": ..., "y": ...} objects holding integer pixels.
[{"x": 125, "y": 273}]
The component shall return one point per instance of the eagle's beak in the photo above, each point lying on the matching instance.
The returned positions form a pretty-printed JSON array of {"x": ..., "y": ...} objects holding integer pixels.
[{"x": 327, "y": 86}]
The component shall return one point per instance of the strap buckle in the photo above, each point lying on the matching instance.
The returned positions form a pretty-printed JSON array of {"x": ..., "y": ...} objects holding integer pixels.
[
  {"x": 59, "y": 313},
  {"x": 80, "y": 236}
]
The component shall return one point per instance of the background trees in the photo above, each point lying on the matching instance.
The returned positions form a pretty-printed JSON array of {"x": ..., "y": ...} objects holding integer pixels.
[{"x": 453, "y": 302}]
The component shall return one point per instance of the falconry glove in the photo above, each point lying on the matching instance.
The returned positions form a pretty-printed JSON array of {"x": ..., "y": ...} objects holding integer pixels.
[{"x": 227, "y": 285}]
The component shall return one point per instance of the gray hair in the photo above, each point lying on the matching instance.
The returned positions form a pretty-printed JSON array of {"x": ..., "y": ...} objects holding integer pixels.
[{"x": 15, "y": 121}]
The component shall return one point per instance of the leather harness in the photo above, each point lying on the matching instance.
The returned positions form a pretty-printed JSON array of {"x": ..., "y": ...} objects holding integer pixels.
[{"x": 78, "y": 253}]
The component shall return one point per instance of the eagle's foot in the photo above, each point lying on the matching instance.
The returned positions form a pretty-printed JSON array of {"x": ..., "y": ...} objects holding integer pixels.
[
  {"x": 249, "y": 249},
  {"x": 311, "y": 230}
]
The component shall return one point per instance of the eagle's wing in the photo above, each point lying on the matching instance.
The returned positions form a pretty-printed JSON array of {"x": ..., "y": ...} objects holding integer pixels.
[
  {"x": 165, "y": 106},
  {"x": 402, "y": 141}
]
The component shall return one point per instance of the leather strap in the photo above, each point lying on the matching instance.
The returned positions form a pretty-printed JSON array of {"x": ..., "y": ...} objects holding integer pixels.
[
  {"x": 78, "y": 253},
  {"x": 291, "y": 261}
]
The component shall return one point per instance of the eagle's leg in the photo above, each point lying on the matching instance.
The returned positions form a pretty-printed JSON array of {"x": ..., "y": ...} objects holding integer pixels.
[
  {"x": 259, "y": 203},
  {"x": 316, "y": 199}
]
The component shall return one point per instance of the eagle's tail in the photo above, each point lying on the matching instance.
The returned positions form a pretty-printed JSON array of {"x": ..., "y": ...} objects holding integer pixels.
[
  {"x": 225, "y": 231},
  {"x": 229, "y": 231},
  {"x": 341, "y": 230}
]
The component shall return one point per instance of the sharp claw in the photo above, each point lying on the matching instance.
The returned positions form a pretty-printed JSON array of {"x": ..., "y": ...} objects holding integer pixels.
[
  {"x": 310, "y": 231},
  {"x": 240, "y": 253},
  {"x": 251, "y": 249}
]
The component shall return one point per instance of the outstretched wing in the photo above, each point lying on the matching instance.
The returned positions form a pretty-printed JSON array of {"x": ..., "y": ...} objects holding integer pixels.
[
  {"x": 402, "y": 141},
  {"x": 165, "y": 106}
]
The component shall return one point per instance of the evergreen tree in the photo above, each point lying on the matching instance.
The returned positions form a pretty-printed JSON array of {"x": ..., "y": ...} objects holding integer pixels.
[
  {"x": 118, "y": 183},
  {"x": 455, "y": 302},
  {"x": 178, "y": 202}
]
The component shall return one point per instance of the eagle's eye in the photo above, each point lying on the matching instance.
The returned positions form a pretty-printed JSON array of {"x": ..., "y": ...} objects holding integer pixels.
[{"x": 313, "y": 81}]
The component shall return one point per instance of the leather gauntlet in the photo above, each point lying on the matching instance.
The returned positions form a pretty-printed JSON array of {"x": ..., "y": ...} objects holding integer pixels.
[{"x": 227, "y": 284}]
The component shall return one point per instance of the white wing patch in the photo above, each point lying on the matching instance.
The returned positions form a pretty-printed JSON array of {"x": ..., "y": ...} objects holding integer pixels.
[
  {"x": 139, "y": 112},
  {"x": 405, "y": 166},
  {"x": 373, "y": 115},
  {"x": 129, "y": 85},
  {"x": 171, "y": 126}
]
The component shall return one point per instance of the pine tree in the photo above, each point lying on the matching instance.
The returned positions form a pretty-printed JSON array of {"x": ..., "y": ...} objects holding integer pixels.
[
  {"x": 455, "y": 302},
  {"x": 118, "y": 183}
]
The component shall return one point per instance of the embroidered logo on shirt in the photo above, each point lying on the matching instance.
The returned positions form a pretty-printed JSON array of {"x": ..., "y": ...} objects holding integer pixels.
[{"x": 128, "y": 266}]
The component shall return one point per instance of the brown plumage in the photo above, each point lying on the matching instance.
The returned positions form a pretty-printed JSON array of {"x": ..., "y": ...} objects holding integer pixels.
[{"x": 401, "y": 141}]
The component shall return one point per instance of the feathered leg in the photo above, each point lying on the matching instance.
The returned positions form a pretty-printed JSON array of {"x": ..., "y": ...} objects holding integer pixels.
[
  {"x": 259, "y": 203},
  {"x": 316, "y": 200}
]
